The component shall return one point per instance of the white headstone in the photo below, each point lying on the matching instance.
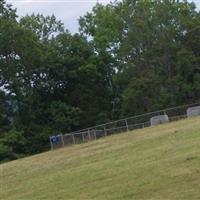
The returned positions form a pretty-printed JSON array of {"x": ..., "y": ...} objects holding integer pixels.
[
  {"x": 159, "y": 119},
  {"x": 193, "y": 111}
]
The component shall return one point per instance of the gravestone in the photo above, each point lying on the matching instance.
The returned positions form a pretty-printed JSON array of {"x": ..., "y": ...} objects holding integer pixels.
[
  {"x": 159, "y": 119},
  {"x": 193, "y": 111}
]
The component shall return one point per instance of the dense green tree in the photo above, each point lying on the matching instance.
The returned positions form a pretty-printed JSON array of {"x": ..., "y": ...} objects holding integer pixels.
[
  {"x": 78, "y": 78},
  {"x": 44, "y": 27},
  {"x": 11, "y": 145},
  {"x": 148, "y": 38}
]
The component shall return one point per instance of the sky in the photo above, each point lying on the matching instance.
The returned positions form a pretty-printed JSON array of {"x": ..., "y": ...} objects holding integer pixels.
[{"x": 68, "y": 11}]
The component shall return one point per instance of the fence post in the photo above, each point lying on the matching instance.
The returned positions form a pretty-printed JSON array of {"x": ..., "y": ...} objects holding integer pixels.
[
  {"x": 127, "y": 129},
  {"x": 95, "y": 136},
  {"x": 89, "y": 134},
  {"x": 104, "y": 128},
  {"x": 51, "y": 143},
  {"x": 73, "y": 138},
  {"x": 62, "y": 139},
  {"x": 83, "y": 136}
]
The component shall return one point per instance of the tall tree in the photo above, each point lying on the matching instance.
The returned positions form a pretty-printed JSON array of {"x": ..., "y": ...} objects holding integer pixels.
[
  {"x": 146, "y": 38},
  {"x": 45, "y": 27}
]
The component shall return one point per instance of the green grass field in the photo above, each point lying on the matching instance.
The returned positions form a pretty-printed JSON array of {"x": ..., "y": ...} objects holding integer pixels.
[{"x": 161, "y": 162}]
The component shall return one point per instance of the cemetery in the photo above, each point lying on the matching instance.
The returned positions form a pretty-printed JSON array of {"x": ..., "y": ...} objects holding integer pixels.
[{"x": 125, "y": 125}]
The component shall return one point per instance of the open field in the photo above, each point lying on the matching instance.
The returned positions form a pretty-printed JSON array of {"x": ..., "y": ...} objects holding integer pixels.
[{"x": 161, "y": 162}]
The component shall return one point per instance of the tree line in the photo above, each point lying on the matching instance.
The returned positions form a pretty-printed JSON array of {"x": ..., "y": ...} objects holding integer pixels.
[{"x": 128, "y": 57}]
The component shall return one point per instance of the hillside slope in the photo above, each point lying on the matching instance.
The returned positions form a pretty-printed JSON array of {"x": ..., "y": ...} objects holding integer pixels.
[{"x": 160, "y": 162}]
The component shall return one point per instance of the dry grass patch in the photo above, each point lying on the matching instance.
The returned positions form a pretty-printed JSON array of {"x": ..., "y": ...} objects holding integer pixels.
[{"x": 160, "y": 162}]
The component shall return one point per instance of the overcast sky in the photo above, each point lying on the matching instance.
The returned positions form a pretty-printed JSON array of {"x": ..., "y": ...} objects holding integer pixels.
[{"x": 68, "y": 11}]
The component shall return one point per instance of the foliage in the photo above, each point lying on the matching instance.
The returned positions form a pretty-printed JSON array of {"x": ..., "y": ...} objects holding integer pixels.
[
  {"x": 11, "y": 145},
  {"x": 63, "y": 117},
  {"x": 44, "y": 27},
  {"x": 150, "y": 42}
]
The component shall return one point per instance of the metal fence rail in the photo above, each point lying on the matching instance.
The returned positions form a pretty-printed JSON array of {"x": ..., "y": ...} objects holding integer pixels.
[{"x": 118, "y": 126}]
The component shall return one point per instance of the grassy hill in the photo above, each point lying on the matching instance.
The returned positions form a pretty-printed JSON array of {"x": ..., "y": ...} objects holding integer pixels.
[{"x": 161, "y": 162}]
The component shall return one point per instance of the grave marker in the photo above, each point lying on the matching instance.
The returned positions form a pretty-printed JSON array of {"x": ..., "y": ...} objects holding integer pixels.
[{"x": 159, "y": 119}]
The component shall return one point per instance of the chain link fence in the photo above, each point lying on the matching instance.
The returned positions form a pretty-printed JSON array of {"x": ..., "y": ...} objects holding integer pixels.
[{"x": 123, "y": 125}]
